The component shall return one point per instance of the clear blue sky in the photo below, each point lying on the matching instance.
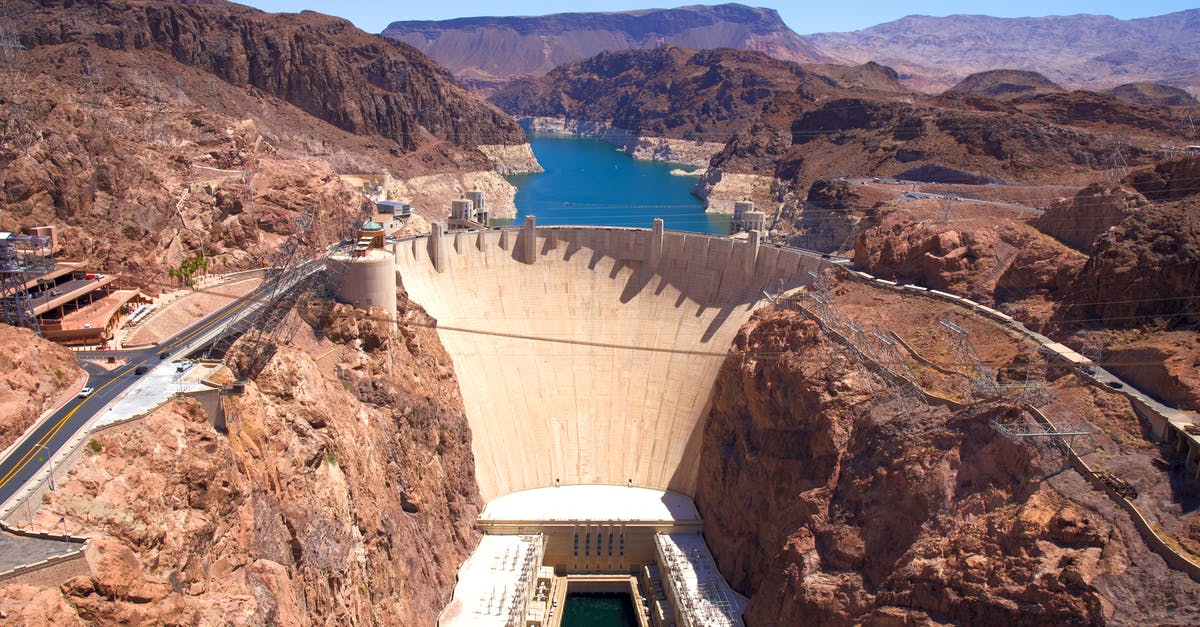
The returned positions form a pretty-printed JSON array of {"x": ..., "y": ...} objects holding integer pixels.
[{"x": 813, "y": 16}]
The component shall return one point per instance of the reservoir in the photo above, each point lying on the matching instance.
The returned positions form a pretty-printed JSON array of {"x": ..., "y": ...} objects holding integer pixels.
[{"x": 591, "y": 182}]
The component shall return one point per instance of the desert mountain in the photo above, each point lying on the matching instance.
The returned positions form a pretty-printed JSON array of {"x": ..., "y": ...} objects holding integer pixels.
[
  {"x": 1005, "y": 84},
  {"x": 1153, "y": 93},
  {"x": 154, "y": 131},
  {"x": 665, "y": 92},
  {"x": 1091, "y": 51},
  {"x": 485, "y": 52}
]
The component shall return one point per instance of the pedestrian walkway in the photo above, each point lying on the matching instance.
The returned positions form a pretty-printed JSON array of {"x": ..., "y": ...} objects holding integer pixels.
[{"x": 18, "y": 550}]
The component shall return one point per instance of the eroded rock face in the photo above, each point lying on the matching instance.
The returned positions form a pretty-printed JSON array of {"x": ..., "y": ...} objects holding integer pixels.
[
  {"x": 988, "y": 262},
  {"x": 665, "y": 92},
  {"x": 828, "y": 505},
  {"x": 33, "y": 373},
  {"x": 1079, "y": 220},
  {"x": 151, "y": 132},
  {"x": 358, "y": 82},
  {"x": 1144, "y": 268},
  {"x": 341, "y": 494}
]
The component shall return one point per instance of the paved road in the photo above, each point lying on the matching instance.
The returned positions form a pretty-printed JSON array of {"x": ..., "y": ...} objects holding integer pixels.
[{"x": 28, "y": 458}]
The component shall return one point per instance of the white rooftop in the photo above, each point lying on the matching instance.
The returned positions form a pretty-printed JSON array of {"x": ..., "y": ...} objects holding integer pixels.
[
  {"x": 702, "y": 596},
  {"x": 591, "y": 502},
  {"x": 490, "y": 582}
]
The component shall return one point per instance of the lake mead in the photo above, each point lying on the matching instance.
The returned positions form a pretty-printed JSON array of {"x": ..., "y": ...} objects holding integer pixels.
[{"x": 591, "y": 182}]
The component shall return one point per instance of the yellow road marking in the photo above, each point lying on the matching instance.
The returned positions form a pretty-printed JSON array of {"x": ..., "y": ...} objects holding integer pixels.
[
  {"x": 53, "y": 432},
  {"x": 42, "y": 442}
]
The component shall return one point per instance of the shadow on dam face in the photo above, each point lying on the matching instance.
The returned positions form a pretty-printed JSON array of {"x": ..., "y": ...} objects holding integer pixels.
[{"x": 588, "y": 355}]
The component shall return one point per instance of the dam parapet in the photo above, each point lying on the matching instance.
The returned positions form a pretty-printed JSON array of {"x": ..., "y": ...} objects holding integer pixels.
[{"x": 709, "y": 265}]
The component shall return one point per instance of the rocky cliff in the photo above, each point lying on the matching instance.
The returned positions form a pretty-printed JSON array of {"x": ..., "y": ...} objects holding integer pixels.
[
  {"x": 827, "y": 504},
  {"x": 484, "y": 52},
  {"x": 1146, "y": 267},
  {"x": 991, "y": 263},
  {"x": 960, "y": 138},
  {"x": 1143, "y": 237},
  {"x": 343, "y": 492},
  {"x": 324, "y": 66},
  {"x": 1089, "y": 51},
  {"x": 665, "y": 92},
  {"x": 35, "y": 373},
  {"x": 150, "y": 132}
]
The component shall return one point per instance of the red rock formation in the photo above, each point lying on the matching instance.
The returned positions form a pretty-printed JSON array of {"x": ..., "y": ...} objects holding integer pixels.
[
  {"x": 339, "y": 495},
  {"x": 990, "y": 262},
  {"x": 827, "y": 504},
  {"x": 123, "y": 113},
  {"x": 361, "y": 83},
  {"x": 1079, "y": 220},
  {"x": 33, "y": 374},
  {"x": 1146, "y": 267}
]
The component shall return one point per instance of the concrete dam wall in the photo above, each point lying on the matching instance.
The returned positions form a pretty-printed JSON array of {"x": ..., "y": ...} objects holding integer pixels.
[{"x": 587, "y": 355}]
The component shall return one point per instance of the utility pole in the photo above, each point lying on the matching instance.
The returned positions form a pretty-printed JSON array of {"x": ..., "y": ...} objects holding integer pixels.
[{"x": 50, "y": 459}]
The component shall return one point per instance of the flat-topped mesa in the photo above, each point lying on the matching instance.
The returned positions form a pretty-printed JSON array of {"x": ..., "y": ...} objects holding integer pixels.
[{"x": 587, "y": 355}]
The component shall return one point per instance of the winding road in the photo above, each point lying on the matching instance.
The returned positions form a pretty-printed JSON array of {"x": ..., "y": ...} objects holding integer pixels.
[{"x": 42, "y": 443}]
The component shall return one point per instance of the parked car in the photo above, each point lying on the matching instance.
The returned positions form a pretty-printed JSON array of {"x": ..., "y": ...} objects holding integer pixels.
[
  {"x": 1116, "y": 385},
  {"x": 86, "y": 392}
]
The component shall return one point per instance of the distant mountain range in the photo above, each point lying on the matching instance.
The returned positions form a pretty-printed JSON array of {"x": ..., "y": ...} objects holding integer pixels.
[
  {"x": 485, "y": 52},
  {"x": 930, "y": 53},
  {"x": 1092, "y": 51}
]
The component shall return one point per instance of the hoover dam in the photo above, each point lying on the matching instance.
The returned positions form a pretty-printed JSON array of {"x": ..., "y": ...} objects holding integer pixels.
[{"x": 586, "y": 358}]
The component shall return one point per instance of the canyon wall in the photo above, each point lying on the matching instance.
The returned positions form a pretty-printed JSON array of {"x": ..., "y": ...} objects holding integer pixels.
[
  {"x": 342, "y": 493},
  {"x": 828, "y": 501}
]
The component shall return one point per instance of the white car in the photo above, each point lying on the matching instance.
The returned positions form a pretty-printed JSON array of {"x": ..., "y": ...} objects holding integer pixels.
[{"x": 86, "y": 392}]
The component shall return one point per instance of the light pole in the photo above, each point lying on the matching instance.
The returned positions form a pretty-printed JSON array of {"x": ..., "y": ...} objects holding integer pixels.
[{"x": 49, "y": 458}]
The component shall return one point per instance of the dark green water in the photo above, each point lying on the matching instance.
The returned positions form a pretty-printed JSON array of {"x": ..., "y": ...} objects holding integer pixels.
[
  {"x": 590, "y": 182},
  {"x": 598, "y": 610}
]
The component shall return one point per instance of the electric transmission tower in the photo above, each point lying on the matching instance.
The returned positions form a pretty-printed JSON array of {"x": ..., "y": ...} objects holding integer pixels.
[{"x": 22, "y": 258}]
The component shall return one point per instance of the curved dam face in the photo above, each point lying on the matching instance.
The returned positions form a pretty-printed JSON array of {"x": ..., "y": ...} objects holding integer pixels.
[{"x": 588, "y": 355}]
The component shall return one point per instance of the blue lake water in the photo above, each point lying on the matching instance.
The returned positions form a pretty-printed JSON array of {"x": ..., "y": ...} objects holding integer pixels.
[{"x": 590, "y": 182}]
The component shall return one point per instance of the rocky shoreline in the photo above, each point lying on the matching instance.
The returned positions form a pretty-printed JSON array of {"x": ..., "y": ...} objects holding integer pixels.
[{"x": 670, "y": 150}]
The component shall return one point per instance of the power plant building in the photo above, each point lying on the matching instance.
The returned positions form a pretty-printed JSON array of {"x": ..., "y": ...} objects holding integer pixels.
[{"x": 746, "y": 218}]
